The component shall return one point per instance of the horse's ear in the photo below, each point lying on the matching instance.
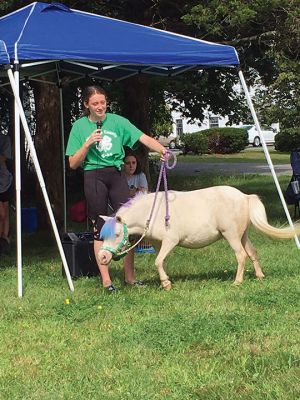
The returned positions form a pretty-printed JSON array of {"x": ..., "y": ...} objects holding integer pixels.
[{"x": 105, "y": 217}]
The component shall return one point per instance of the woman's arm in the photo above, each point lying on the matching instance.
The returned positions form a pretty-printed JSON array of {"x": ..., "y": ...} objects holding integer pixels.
[{"x": 77, "y": 159}]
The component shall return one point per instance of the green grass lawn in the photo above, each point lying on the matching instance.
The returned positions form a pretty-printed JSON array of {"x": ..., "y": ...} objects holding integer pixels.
[
  {"x": 206, "y": 339},
  {"x": 248, "y": 155}
]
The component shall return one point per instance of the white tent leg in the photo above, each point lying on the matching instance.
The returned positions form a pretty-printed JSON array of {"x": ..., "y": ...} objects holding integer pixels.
[
  {"x": 40, "y": 177},
  {"x": 18, "y": 186},
  {"x": 62, "y": 127},
  {"x": 267, "y": 155}
]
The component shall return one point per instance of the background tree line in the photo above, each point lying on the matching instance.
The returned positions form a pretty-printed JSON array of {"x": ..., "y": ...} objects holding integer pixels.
[{"x": 265, "y": 34}]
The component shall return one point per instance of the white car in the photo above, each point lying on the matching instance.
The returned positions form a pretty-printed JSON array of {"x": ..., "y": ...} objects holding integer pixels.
[
  {"x": 168, "y": 141},
  {"x": 253, "y": 136}
]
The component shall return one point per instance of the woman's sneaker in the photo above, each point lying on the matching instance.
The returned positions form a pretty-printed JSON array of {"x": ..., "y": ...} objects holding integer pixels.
[{"x": 111, "y": 289}]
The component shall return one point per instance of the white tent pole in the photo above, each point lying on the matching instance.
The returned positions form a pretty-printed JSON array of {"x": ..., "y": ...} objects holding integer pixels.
[
  {"x": 62, "y": 127},
  {"x": 18, "y": 182},
  {"x": 267, "y": 155},
  {"x": 40, "y": 177}
]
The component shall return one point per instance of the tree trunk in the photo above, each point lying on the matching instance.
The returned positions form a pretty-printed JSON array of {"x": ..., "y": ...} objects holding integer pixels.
[
  {"x": 136, "y": 108},
  {"x": 48, "y": 148}
]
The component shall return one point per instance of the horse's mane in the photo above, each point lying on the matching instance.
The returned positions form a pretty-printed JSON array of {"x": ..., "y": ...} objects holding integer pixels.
[
  {"x": 131, "y": 201},
  {"x": 108, "y": 229}
]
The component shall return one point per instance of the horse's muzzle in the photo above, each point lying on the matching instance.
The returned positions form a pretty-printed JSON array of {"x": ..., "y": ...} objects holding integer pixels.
[{"x": 104, "y": 257}]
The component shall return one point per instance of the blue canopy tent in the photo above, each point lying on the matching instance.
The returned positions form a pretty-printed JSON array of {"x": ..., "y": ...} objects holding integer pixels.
[
  {"x": 55, "y": 41},
  {"x": 53, "y": 32}
]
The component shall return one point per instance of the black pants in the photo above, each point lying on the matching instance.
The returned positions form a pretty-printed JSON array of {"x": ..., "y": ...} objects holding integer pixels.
[{"x": 102, "y": 187}]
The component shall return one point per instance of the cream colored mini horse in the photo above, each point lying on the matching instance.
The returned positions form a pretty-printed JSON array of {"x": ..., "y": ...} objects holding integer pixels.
[{"x": 197, "y": 219}]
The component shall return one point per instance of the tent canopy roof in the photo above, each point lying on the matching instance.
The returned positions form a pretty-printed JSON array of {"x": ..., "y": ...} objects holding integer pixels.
[{"x": 80, "y": 43}]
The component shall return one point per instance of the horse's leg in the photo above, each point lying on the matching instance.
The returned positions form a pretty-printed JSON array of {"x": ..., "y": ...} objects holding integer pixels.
[
  {"x": 252, "y": 253},
  {"x": 166, "y": 246},
  {"x": 240, "y": 254}
]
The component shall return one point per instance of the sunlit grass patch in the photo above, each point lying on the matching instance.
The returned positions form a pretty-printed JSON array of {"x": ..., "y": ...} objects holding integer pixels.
[{"x": 205, "y": 339}]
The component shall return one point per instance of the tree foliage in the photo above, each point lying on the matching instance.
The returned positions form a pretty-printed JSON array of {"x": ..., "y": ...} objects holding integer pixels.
[
  {"x": 162, "y": 120},
  {"x": 267, "y": 37}
]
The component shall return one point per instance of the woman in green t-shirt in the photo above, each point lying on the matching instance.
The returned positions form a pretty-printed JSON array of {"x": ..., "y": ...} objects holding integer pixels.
[{"x": 96, "y": 143}]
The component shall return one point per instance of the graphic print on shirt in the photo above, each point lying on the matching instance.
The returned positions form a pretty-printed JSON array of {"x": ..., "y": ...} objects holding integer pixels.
[{"x": 106, "y": 144}]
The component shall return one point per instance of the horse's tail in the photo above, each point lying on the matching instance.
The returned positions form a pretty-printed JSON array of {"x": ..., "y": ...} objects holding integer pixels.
[{"x": 258, "y": 217}]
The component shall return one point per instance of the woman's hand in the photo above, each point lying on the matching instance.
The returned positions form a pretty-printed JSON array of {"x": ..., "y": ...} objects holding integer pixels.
[
  {"x": 132, "y": 191},
  {"x": 95, "y": 137},
  {"x": 164, "y": 155}
]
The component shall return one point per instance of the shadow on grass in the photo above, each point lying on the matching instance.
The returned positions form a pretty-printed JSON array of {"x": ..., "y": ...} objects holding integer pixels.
[
  {"x": 203, "y": 276},
  {"x": 7, "y": 261}
]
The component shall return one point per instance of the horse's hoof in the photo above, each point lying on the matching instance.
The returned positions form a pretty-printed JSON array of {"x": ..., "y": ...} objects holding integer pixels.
[
  {"x": 166, "y": 285},
  {"x": 237, "y": 283},
  {"x": 169, "y": 287}
]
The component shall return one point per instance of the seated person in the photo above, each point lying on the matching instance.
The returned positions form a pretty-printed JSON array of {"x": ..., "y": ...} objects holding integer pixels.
[
  {"x": 6, "y": 192},
  {"x": 136, "y": 179},
  {"x": 137, "y": 183}
]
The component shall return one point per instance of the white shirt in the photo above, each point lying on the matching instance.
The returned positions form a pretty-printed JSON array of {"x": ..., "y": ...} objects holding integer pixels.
[{"x": 137, "y": 181}]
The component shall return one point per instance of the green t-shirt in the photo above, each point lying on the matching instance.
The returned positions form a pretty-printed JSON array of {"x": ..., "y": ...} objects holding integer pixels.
[{"x": 116, "y": 133}]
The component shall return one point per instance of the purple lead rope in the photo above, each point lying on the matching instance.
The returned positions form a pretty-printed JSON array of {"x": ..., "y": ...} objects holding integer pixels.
[{"x": 163, "y": 173}]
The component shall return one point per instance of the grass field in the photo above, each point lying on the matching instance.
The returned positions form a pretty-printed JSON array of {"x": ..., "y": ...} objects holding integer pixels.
[
  {"x": 206, "y": 339},
  {"x": 248, "y": 155}
]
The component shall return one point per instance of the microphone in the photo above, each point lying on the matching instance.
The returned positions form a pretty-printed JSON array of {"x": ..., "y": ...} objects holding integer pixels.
[{"x": 99, "y": 125}]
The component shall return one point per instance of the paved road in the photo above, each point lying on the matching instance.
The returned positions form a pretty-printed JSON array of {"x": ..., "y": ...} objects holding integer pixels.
[{"x": 194, "y": 169}]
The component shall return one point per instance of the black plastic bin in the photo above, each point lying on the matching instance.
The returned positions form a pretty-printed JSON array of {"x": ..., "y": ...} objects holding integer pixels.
[{"x": 79, "y": 252}]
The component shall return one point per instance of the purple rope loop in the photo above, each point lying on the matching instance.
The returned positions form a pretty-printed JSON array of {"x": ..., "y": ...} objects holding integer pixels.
[
  {"x": 166, "y": 165},
  {"x": 167, "y": 216},
  {"x": 155, "y": 197},
  {"x": 163, "y": 174},
  {"x": 168, "y": 155}
]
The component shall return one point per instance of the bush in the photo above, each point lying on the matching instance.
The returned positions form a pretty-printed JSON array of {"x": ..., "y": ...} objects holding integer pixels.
[
  {"x": 196, "y": 142},
  {"x": 215, "y": 140},
  {"x": 227, "y": 140},
  {"x": 288, "y": 139}
]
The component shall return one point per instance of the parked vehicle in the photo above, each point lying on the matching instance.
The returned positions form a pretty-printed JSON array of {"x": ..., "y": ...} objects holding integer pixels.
[
  {"x": 170, "y": 141},
  {"x": 268, "y": 132}
]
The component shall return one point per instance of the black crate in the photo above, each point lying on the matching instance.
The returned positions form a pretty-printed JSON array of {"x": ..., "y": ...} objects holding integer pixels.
[{"x": 79, "y": 252}]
